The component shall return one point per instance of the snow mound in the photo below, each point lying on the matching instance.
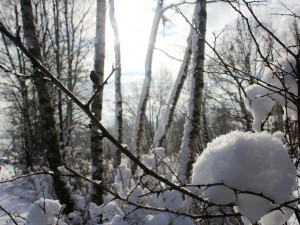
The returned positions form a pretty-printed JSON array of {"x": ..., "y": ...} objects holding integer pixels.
[
  {"x": 45, "y": 211},
  {"x": 253, "y": 162}
]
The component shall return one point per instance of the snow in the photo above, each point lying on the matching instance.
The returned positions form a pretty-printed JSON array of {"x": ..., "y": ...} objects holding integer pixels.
[
  {"x": 156, "y": 219},
  {"x": 166, "y": 218},
  {"x": 220, "y": 194},
  {"x": 277, "y": 86},
  {"x": 277, "y": 217},
  {"x": 114, "y": 210},
  {"x": 253, "y": 162},
  {"x": 122, "y": 180},
  {"x": 15, "y": 197},
  {"x": 19, "y": 198},
  {"x": 44, "y": 211},
  {"x": 153, "y": 160},
  {"x": 253, "y": 207}
]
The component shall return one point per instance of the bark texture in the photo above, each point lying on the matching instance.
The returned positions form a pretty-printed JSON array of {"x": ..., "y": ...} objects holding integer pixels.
[
  {"x": 96, "y": 143},
  {"x": 50, "y": 139},
  {"x": 190, "y": 140},
  {"x": 56, "y": 12}
]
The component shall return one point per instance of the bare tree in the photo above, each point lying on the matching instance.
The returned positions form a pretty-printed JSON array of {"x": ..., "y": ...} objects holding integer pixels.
[
  {"x": 96, "y": 145},
  {"x": 140, "y": 117},
  {"x": 50, "y": 136},
  {"x": 56, "y": 13},
  {"x": 18, "y": 65},
  {"x": 118, "y": 90},
  {"x": 165, "y": 123},
  {"x": 190, "y": 140}
]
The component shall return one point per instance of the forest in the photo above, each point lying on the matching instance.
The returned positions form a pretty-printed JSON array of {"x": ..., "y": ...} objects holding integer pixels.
[{"x": 149, "y": 112}]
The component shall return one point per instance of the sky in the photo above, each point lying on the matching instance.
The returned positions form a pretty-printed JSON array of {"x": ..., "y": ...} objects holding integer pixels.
[{"x": 134, "y": 19}]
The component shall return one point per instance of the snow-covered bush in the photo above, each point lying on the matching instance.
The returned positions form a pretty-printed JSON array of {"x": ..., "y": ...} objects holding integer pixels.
[
  {"x": 252, "y": 170},
  {"x": 138, "y": 192}
]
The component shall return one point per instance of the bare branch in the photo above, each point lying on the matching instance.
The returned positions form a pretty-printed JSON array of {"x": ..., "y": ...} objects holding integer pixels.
[
  {"x": 139, "y": 206},
  {"x": 100, "y": 86},
  {"x": 215, "y": 51},
  {"x": 8, "y": 213},
  {"x": 94, "y": 120},
  {"x": 267, "y": 30},
  {"x": 168, "y": 54}
]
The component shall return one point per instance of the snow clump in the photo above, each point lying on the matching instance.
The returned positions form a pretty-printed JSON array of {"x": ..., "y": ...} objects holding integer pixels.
[
  {"x": 45, "y": 211},
  {"x": 253, "y": 162},
  {"x": 277, "y": 86}
]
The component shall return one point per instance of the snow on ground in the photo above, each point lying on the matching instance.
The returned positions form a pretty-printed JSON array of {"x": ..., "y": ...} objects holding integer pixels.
[{"x": 16, "y": 197}]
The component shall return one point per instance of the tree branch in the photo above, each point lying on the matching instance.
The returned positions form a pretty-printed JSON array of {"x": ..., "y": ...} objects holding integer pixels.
[{"x": 37, "y": 64}]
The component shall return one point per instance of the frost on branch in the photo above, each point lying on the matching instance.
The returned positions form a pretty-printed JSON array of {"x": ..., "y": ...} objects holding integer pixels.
[
  {"x": 248, "y": 162},
  {"x": 279, "y": 87}
]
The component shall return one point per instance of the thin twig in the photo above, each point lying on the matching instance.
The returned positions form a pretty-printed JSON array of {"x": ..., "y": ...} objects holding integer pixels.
[
  {"x": 11, "y": 217},
  {"x": 100, "y": 86},
  {"x": 139, "y": 206}
]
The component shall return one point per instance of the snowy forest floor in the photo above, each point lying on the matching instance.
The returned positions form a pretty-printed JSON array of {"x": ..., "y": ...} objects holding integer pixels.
[{"x": 15, "y": 197}]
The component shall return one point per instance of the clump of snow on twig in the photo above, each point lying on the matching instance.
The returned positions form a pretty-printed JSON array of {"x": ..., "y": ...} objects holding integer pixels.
[
  {"x": 254, "y": 162},
  {"x": 277, "y": 86},
  {"x": 45, "y": 211}
]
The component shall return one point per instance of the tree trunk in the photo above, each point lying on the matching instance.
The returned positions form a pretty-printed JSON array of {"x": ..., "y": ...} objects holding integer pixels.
[
  {"x": 190, "y": 139},
  {"x": 141, "y": 112},
  {"x": 166, "y": 121},
  {"x": 50, "y": 140},
  {"x": 58, "y": 70},
  {"x": 298, "y": 105},
  {"x": 70, "y": 76},
  {"x": 26, "y": 123},
  {"x": 96, "y": 143},
  {"x": 118, "y": 92}
]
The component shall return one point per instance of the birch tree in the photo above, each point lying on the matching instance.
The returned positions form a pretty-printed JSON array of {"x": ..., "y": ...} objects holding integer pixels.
[
  {"x": 190, "y": 139},
  {"x": 165, "y": 123},
  {"x": 141, "y": 111},
  {"x": 46, "y": 109},
  {"x": 118, "y": 92},
  {"x": 96, "y": 143}
]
